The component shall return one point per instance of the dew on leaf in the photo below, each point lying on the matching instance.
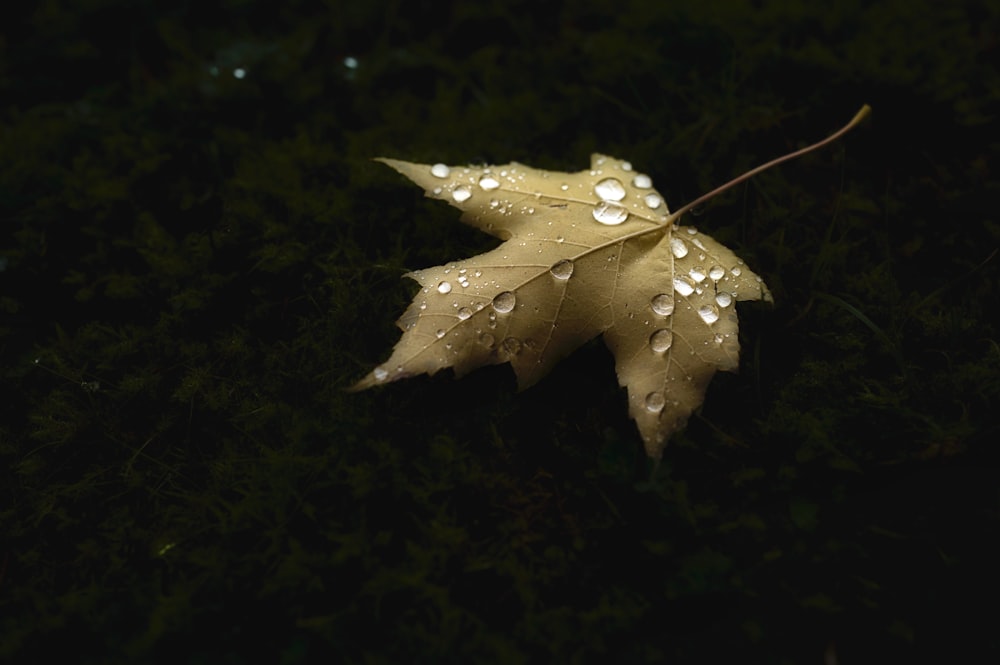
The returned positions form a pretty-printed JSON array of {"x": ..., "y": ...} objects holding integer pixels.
[
  {"x": 655, "y": 402},
  {"x": 464, "y": 313},
  {"x": 708, "y": 313},
  {"x": 716, "y": 273},
  {"x": 661, "y": 340},
  {"x": 697, "y": 274},
  {"x": 662, "y": 304},
  {"x": 486, "y": 339},
  {"x": 683, "y": 285},
  {"x": 440, "y": 170},
  {"x": 609, "y": 213},
  {"x": 444, "y": 287},
  {"x": 504, "y": 302},
  {"x": 642, "y": 181},
  {"x": 610, "y": 189},
  {"x": 678, "y": 247},
  {"x": 653, "y": 201},
  {"x": 461, "y": 193},
  {"x": 488, "y": 182},
  {"x": 562, "y": 269},
  {"x": 511, "y": 346},
  {"x": 440, "y": 333},
  {"x": 736, "y": 271},
  {"x": 724, "y": 299}
]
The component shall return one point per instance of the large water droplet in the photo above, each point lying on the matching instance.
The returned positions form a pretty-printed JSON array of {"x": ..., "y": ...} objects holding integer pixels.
[
  {"x": 708, "y": 313},
  {"x": 562, "y": 269},
  {"x": 661, "y": 340},
  {"x": 655, "y": 401},
  {"x": 610, "y": 189},
  {"x": 504, "y": 302},
  {"x": 678, "y": 247},
  {"x": 444, "y": 287},
  {"x": 380, "y": 373},
  {"x": 440, "y": 333},
  {"x": 717, "y": 273},
  {"x": 488, "y": 182},
  {"x": 611, "y": 214},
  {"x": 464, "y": 313},
  {"x": 662, "y": 304},
  {"x": 461, "y": 193},
  {"x": 642, "y": 181},
  {"x": 653, "y": 201},
  {"x": 486, "y": 339},
  {"x": 697, "y": 274},
  {"x": 440, "y": 171},
  {"x": 736, "y": 271},
  {"x": 683, "y": 286},
  {"x": 724, "y": 299}
]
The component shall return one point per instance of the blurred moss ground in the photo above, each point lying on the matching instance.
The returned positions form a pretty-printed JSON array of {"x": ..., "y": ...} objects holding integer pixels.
[{"x": 197, "y": 255}]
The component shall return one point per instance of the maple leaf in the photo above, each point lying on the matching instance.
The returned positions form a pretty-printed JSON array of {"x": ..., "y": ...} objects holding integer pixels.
[{"x": 584, "y": 254}]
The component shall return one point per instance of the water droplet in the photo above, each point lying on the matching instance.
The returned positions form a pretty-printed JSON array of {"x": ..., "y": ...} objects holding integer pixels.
[
  {"x": 697, "y": 274},
  {"x": 662, "y": 304},
  {"x": 708, "y": 313},
  {"x": 511, "y": 346},
  {"x": 440, "y": 333},
  {"x": 716, "y": 273},
  {"x": 478, "y": 273},
  {"x": 488, "y": 182},
  {"x": 718, "y": 338},
  {"x": 440, "y": 171},
  {"x": 611, "y": 214},
  {"x": 380, "y": 373},
  {"x": 444, "y": 287},
  {"x": 724, "y": 299},
  {"x": 486, "y": 339},
  {"x": 504, "y": 302},
  {"x": 683, "y": 286},
  {"x": 736, "y": 271},
  {"x": 642, "y": 181},
  {"x": 655, "y": 402},
  {"x": 610, "y": 189},
  {"x": 464, "y": 313},
  {"x": 461, "y": 193},
  {"x": 564, "y": 187},
  {"x": 653, "y": 201},
  {"x": 562, "y": 269},
  {"x": 661, "y": 340},
  {"x": 678, "y": 247},
  {"x": 560, "y": 239}
]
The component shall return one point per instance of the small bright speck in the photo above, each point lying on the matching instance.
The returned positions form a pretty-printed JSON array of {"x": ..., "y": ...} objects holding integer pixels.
[
  {"x": 239, "y": 73},
  {"x": 351, "y": 62}
]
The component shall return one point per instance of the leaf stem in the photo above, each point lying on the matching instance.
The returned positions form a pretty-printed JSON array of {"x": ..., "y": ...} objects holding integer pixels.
[{"x": 858, "y": 117}]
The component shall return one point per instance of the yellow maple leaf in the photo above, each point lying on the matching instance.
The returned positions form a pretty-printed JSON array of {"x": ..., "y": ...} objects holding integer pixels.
[{"x": 584, "y": 254}]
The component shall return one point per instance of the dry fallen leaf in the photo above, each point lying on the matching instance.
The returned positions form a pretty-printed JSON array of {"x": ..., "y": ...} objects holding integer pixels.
[{"x": 586, "y": 253}]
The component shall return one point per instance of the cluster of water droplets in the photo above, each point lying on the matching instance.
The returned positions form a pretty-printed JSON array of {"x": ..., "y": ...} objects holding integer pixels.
[{"x": 610, "y": 210}]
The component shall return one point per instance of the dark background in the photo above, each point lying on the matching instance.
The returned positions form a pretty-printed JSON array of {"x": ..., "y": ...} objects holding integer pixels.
[{"x": 193, "y": 266}]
